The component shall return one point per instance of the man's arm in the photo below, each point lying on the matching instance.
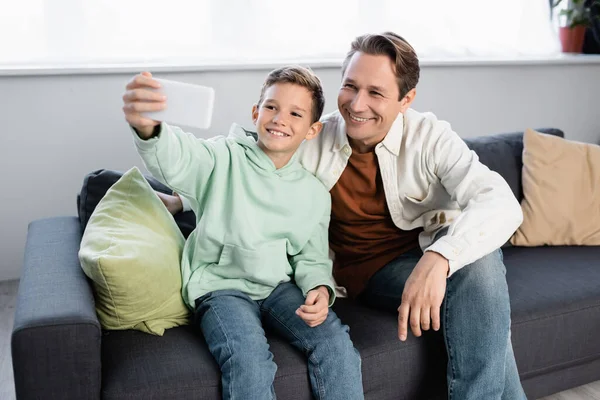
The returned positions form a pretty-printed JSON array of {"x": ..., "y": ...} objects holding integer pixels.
[
  {"x": 491, "y": 213},
  {"x": 175, "y": 158}
]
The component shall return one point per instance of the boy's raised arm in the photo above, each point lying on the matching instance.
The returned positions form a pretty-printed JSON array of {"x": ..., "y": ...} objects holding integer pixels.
[{"x": 177, "y": 159}]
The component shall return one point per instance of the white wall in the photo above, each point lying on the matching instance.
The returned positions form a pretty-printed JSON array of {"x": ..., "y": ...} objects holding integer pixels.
[{"x": 56, "y": 129}]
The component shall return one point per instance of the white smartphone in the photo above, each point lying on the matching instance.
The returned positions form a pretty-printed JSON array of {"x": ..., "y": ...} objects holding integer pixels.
[{"x": 187, "y": 104}]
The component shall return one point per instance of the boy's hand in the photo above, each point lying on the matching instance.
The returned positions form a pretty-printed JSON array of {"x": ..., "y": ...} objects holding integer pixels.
[
  {"x": 316, "y": 307},
  {"x": 172, "y": 202},
  {"x": 138, "y": 98}
]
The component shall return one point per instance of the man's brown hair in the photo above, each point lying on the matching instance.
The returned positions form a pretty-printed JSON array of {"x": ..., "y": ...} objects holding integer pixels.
[
  {"x": 299, "y": 76},
  {"x": 399, "y": 51}
]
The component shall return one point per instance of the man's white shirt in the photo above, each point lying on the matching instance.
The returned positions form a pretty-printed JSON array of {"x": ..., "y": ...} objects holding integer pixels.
[{"x": 431, "y": 180}]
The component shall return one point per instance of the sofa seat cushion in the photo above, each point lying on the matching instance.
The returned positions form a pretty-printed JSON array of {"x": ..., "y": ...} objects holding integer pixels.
[
  {"x": 178, "y": 365},
  {"x": 555, "y": 300}
]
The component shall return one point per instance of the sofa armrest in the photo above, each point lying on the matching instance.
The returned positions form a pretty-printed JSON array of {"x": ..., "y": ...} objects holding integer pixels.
[{"x": 56, "y": 338}]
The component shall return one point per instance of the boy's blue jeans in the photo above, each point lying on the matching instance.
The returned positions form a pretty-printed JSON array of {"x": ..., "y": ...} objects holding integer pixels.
[
  {"x": 475, "y": 323},
  {"x": 232, "y": 325}
]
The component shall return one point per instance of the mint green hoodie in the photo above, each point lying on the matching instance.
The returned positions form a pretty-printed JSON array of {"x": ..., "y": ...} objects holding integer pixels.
[{"x": 257, "y": 226}]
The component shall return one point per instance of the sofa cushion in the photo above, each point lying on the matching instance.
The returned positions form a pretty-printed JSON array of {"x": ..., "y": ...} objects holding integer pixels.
[
  {"x": 178, "y": 365},
  {"x": 503, "y": 153},
  {"x": 561, "y": 182},
  {"x": 95, "y": 185},
  {"x": 131, "y": 250},
  {"x": 555, "y": 300}
]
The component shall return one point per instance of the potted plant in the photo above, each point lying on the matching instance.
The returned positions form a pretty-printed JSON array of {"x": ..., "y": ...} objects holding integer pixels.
[{"x": 574, "y": 18}]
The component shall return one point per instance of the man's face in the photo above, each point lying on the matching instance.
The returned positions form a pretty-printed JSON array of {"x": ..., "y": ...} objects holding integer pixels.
[
  {"x": 284, "y": 119},
  {"x": 368, "y": 98}
]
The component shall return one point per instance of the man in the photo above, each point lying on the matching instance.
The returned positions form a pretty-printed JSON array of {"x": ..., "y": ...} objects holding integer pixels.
[{"x": 417, "y": 221}]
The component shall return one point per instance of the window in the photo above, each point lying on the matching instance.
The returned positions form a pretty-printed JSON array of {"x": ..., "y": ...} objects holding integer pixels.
[{"x": 78, "y": 32}]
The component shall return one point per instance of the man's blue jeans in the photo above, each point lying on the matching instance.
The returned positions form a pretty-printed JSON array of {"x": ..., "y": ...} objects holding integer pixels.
[
  {"x": 475, "y": 323},
  {"x": 232, "y": 325}
]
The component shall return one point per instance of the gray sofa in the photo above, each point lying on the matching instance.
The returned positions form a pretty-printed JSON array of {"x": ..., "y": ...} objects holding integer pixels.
[{"x": 60, "y": 351}]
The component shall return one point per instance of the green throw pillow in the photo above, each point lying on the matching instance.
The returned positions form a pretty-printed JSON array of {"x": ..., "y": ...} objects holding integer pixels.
[{"x": 131, "y": 250}]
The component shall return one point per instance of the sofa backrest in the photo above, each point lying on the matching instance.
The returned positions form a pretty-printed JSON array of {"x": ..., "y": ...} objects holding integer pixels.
[{"x": 503, "y": 153}]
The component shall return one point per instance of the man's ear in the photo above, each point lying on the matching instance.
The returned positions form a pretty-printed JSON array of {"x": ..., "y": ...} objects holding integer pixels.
[
  {"x": 314, "y": 130},
  {"x": 407, "y": 100},
  {"x": 254, "y": 113}
]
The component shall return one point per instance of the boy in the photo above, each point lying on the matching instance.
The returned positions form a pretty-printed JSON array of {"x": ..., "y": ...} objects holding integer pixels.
[{"x": 259, "y": 254}]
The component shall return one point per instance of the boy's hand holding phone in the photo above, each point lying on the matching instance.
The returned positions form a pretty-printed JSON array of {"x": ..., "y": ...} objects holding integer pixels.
[
  {"x": 145, "y": 104},
  {"x": 141, "y": 96}
]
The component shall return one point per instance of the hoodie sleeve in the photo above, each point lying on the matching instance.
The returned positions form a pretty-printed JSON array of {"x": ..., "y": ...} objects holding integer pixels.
[
  {"x": 179, "y": 160},
  {"x": 312, "y": 266}
]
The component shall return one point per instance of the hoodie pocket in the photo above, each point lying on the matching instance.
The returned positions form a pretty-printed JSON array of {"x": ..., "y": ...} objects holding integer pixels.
[{"x": 267, "y": 265}]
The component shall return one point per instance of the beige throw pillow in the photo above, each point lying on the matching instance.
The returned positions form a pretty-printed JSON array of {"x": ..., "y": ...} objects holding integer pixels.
[{"x": 561, "y": 188}]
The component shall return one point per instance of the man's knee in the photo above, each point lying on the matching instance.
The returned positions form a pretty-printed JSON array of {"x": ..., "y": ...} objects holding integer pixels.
[
  {"x": 488, "y": 268},
  {"x": 485, "y": 277}
]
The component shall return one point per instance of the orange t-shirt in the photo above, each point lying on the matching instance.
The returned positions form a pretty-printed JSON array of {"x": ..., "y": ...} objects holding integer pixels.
[{"x": 361, "y": 232}]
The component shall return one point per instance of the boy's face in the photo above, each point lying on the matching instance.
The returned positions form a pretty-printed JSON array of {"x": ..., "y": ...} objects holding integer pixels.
[{"x": 284, "y": 119}]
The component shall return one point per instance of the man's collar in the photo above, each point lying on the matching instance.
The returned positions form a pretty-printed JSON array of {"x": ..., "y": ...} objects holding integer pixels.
[
  {"x": 341, "y": 139},
  {"x": 393, "y": 139},
  {"x": 391, "y": 142}
]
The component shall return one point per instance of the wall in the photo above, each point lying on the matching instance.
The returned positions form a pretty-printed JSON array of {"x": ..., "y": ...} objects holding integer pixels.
[{"x": 56, "y": 129}]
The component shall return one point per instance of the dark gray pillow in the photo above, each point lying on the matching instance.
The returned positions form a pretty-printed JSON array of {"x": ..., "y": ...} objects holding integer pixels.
[
  {"x": 503, "y": 153},
  {"x": 97, "y": 183}
]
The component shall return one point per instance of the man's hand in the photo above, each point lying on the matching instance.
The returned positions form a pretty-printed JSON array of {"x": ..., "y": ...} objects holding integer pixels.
[
  {"x": 423, "y": 295},
  {"x": 316, "y": 307},
  {"x": 138, "y": 98},
  {"x": 172, "y": 202}
]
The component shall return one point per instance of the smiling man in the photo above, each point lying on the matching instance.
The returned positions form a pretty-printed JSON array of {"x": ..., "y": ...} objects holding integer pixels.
[{"x": 417, "y": 221}]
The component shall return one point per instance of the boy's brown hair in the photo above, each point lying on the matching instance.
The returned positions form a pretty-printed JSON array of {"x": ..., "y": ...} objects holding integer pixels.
[
  {"x": 299, "y": 76},
  {"x": 399, "y": 51}
]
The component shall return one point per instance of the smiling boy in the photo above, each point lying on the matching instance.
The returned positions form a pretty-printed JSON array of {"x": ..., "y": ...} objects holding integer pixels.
[{"x": 259, "y": 254}]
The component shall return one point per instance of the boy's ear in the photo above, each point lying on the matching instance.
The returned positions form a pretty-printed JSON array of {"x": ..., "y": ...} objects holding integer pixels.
[
  {"x": 254, "y": 113},
  {"x": 314, "y": 130}
]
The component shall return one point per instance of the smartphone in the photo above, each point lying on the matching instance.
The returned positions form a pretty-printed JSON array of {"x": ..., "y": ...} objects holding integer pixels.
[{"x": 187, "y": 104}]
